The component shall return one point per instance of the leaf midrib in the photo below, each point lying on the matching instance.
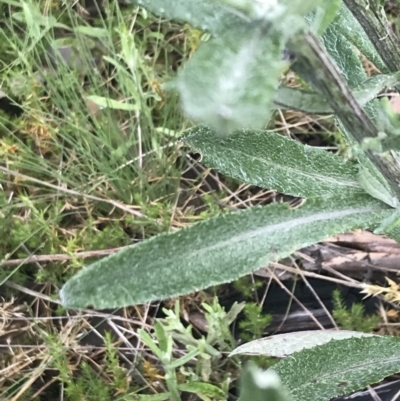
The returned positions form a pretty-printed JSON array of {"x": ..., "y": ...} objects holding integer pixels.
[{"x": 324, "y": 178}]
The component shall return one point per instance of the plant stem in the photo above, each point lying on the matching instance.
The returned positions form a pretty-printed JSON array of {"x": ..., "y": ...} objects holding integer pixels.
[
  {"x": 316, "y": 67},
  {"x": 170, "y": 379},
  {"x": 372, "y": 18}
]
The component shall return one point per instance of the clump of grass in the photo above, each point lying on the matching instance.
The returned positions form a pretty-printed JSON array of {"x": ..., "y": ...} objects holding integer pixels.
[
  {"x": 254, "y": 323},
  {"x": 353, "y": 318},
  {"x": 88, "y": 163}
]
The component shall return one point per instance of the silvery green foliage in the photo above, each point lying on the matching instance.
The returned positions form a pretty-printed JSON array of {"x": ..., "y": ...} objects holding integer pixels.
[
  {"x": 273, "y": 161},
  {"x": 348, "y": 25},
  {"x": 314, "y": 103},
  {"x": 259, "y": 385},
  {"x": 226, "y": 85},
  {"x": 321, "y": 365},
  {"x": 283, "y": 345},
  {"x": 339, "y": 367},
  {"x": 208, "y": 15},
  {"x": 351, "y": 68},
  {"x": 230, "y": 81},
  {"x": 215, "y": 251}
]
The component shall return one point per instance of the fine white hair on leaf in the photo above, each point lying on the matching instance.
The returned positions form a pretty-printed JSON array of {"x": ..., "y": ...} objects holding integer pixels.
[{"x": 266, "y": 379}]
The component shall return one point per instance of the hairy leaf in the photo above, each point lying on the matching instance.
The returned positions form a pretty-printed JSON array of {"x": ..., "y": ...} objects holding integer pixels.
[
  {"x": 351, "y": 68},
  {"x": 259, "y": 385},
  {"x": 351, "y": 29},
  {"x": 344, "y": 55},
  {"x": 339, "y": 367},
  {"x": 372, "y": 18},
  {"x": 315, "y": 103},
  {"x": 226, "y": 84},
  {"x": 214, "y": 251},
  {"x": 282, "y": 345},
  {"x": 272, "y": 161}
]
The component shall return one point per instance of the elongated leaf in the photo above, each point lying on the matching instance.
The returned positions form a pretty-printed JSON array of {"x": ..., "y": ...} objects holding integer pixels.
[
  {"x": 154, "y": 397},
  {"x": 207, "y": 389},
  {"x": 352, "y": 30},
  {"x": 214, "y": 251},
  {"x": 314, "y": 103},
  {"x": 294, "y": 99},
  {"x": 372, "y": 18},
  {"x": 282, "y": 345},
  {"x": 273, "y": 161},
  {"x": 330, "y": 12},
  {"x": 351, "y": 68},
  {"x": 112, "y": 104},
  {"x": 353, "y": 121},
  {"x": 226, "y": 84},
  {"x": 93, "y": 31},
  {"x": 344, "y": 55},
  {"x": 370, "y": 88},
  {"x": 339, "y": 367},
  {"x": 376, "y": 187}
]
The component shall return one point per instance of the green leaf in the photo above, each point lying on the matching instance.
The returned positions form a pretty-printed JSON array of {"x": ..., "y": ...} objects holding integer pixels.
[
  {"x": 351, "y": 29},
  {"x": 146, "y": 338},
  {"x": 389, "y": 223},
  {"x": 226, "y": 84},
  {"x": 329, "y": 14},
  {"x": 376, "y": 187},
  {"x": 372, "y": 18},
  {"x": 152, "y": 397},
  {"x": 162, "y": 337},
  {"x": 273, "y": 11},
  {"x": 373, "y": 86},
  {"x": 315, "y": 103},
  {"x": 193, "y": 353},
  {"x": 206, "y": 389},
  {"x": 351, "y": 68},
  {"x": 259, "y": 385},
  {"x": 207, "y": 15},
  {"x": 92, "y": 31},
  {"x": 112, "y": 104},
  {"x": 295, "y": 99},
  {"x": 12, "y": 3},
  {"x": 344, "y": 55},
  {"x": 214, "y": 251},
  {"x": 282, "y": 345},
  {"x": 339, "y": 367},
  {"x": 272, "y": 161}
]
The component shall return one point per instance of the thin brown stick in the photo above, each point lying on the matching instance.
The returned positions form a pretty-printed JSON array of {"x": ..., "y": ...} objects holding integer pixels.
[
  {"x": 61, "y": 257},
  {"x": 116, "y": 204}
]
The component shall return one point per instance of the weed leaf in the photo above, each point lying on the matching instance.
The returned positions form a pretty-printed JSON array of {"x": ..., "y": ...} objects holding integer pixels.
[
  {"x": 272, "y": 161},
  {"x": 282, "y": 345},
  {"x": 215, "y": 251},
  {"x": 339, "y": 367},
  {"x": 226, "y": 85},
  {"x": 314, "y": 103}
]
